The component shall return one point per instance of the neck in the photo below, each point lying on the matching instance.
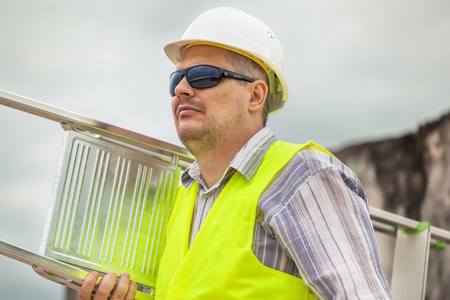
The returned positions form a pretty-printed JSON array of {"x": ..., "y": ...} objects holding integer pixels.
[{"x": 214, "y": 160}]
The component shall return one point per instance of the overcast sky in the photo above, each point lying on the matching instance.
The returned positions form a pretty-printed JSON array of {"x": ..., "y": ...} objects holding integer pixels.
[{"x": 357, "y": 71}]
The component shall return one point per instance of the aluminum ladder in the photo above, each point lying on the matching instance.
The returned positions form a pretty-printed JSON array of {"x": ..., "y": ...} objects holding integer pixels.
[{"x": 414, "y": 239}]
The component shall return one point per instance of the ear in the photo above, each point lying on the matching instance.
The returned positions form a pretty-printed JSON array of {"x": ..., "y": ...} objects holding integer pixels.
[{"x": 258, "y": 90}]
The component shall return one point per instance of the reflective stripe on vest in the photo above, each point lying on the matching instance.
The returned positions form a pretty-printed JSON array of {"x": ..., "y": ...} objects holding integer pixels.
[{"x": 220, "y": 263}]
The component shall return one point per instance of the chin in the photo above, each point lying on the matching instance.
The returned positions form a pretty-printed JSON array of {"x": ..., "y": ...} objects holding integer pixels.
[
  {"x": 190, "y": 129},
  {"x": 187, "y": 134}
]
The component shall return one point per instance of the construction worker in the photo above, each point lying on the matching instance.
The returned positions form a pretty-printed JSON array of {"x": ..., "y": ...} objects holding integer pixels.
[{"x": 255, "y": 218}]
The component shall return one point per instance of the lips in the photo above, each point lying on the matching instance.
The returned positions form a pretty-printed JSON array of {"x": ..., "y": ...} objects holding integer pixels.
[
  {"x": 189, "y": 107},
  {"x": 186, "y": 109}
]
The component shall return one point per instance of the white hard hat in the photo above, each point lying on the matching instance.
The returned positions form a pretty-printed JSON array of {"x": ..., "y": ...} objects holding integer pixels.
[{"x": 240, "y": 32}]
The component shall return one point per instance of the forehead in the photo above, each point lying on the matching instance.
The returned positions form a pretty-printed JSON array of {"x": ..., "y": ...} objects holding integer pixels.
[{"x": 204, "y": 55}]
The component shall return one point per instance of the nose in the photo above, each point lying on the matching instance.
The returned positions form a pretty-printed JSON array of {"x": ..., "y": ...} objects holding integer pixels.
[{"x": 183, "y": 89}]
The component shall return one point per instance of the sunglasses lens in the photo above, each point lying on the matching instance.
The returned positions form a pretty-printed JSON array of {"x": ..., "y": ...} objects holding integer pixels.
[
  {"x": 201, "y": 77},
  {"x": 198, "y": 77},
  {"x": 175, "y": 79}
]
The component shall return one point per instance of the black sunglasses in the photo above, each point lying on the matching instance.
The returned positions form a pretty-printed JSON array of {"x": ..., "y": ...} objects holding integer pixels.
[{"x": 202, "y": 77}]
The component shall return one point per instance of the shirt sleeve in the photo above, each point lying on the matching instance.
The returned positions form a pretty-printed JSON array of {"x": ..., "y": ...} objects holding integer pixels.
[{"x": 325, "y": 227}]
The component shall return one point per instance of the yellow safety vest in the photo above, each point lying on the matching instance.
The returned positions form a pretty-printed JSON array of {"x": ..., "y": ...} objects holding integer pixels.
[{"x": 220, "y": 263}]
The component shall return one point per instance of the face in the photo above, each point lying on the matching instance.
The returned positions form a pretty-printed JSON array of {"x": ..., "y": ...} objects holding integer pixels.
[{"x": 205, "y": 118}]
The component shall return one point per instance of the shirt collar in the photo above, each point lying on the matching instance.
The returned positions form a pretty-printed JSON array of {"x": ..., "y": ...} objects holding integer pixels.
[{"x": 246, "y": 161}]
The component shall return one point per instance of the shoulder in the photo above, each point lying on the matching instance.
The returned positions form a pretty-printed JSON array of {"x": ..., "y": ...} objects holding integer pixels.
[
  {"x": 305, "y": 166},
  {"x": 332, "y": 168},
  {"x": 309, "y": 157},
  {"x": 317, "y": 161},
  {"x": 292, "y": 178}
]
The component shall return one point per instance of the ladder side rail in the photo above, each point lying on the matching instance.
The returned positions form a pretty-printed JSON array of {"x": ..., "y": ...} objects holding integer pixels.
[
  {"x": 410, "y": 269},
  {"x": 77, "y": 122},
  {"x": 394, "y": 221},
  {"x": 411, "y": 254}
]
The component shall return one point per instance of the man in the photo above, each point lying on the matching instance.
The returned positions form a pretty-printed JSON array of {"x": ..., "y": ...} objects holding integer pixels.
[{"x": 254, "y": 218}]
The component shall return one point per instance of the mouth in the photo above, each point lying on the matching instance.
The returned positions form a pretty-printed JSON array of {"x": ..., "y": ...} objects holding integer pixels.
[
  {"x": 187, "y": 109},
  {"x": 184, "y": 110}
]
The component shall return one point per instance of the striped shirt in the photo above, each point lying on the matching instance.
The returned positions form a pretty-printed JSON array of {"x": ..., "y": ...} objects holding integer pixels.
[{"x": 312, "y": 222}]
